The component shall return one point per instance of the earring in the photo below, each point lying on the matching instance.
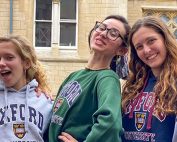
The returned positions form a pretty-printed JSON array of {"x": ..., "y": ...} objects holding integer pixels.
[{"x": 91, "y": 51}]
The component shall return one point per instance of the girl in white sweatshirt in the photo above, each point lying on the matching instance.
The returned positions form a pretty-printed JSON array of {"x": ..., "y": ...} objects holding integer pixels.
[{"x": 23, "y": 116}]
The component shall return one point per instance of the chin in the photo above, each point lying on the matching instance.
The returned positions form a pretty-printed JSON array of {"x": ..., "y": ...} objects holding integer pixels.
[{"x": 8, "y": 84}]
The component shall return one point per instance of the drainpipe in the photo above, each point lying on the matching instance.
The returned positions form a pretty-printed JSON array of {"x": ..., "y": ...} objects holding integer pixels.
[{"x": 11, "y": 15}]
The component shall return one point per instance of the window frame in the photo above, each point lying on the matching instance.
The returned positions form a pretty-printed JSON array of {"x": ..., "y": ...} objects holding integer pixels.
[
  {"x": 159, "y": 11},
  {"x": 68, "y": 21},
  {"x": 63, "y": 48}
]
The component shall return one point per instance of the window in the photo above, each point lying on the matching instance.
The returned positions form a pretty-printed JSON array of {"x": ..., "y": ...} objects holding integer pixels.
[
  {"x": 169, "y": 17},
  {"x": 67, "y": 23},
  {"x": 43, "y": 23}
]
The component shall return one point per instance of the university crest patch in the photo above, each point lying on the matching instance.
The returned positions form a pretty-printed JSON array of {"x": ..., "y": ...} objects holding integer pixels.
[
  {"x": 58, "y": 104},
  {"x": 19, "y": 130},
  {"x": 139, "y": 120}
]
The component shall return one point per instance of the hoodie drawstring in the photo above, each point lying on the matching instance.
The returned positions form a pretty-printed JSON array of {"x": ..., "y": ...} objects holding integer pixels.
[
  {"x": 150, "y": 117},
  {"x": 26, "y": 108},
  {"x": 133, "y": 104},
  {"x": 5, "y": 113}
]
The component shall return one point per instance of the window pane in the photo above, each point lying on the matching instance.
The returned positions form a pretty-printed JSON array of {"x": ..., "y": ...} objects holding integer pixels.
[
  {"x": 67, "y": 34},
  {"x": 43, "y": 9},
  {"x": 149, "y": 14},
  {"x": 176, "y": 34},
  {"x": 165, "y": 18},
  {"x": 43, "y": 34},
  {"x": 68, "y": 9},
  {"x": 175, "y": 19}
]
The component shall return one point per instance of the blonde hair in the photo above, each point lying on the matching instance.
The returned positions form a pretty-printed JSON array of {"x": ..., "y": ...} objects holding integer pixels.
[
  {"x": 26, "y": 51},
  {"x": 165, "y": 88}
]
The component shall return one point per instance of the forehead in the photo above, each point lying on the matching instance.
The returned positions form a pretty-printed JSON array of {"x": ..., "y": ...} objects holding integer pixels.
[
  {"x": 7, "y": 46},
  {"x": 143, "y": 33},
  {"x": 117, "y": 24}
]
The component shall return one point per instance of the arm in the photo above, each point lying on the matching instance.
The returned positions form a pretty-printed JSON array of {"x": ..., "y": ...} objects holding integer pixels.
[{"x": 108, "y": 118}]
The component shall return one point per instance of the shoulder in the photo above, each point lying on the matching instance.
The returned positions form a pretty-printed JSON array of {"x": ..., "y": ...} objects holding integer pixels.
[
  {"x": 43, "y": 98},
  {"x": 42, "y": 102},
  {"x": 108, "y": 73},
  {"x": 77, "y": 72}
]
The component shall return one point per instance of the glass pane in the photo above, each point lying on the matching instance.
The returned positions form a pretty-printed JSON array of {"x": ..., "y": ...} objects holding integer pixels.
[
  {"x": 149, "y": 14},
  {"x": 43, "y": 34},
  {"x": 175, "y": 19},
  {"x": 176, "y": 34},
  {"x": 68, "y": 9},
  {"x": 43, "y": 9},
  {"x": 165, "y": 18},
  {"x": 67, "y": 34}
]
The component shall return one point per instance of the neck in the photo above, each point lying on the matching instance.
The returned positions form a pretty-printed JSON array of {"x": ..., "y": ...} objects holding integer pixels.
[
  {"x": 156, "y": 72},
  {"x": 95, "y": 63}
]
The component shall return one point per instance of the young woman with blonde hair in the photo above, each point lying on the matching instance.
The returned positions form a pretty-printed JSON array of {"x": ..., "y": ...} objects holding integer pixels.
[{"x": 24, "y": 117}]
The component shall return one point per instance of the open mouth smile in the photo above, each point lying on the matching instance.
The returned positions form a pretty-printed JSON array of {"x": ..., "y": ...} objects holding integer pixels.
[
  {"x": 151, "y": 57},
  {"x": 5, "y": 73}
]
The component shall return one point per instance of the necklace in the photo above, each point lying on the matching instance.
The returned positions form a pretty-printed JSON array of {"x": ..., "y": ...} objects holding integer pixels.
[{"x": 97, "y": 69}]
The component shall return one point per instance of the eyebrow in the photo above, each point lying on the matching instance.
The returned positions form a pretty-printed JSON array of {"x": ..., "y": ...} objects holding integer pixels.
[
  {"x": 110, "y": 28},
  {"x": 137, "y": 45},
  {"x": 146, "y": 39}
]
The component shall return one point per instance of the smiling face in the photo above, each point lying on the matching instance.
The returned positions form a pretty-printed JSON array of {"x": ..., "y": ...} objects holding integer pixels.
[
  {"x": 101, "y": 44},
  {"x": 11, "y": 66},
  {"x": 150, "y": 48}
]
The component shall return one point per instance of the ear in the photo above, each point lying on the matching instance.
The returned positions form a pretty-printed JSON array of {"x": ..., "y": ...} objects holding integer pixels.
[
  {"x": 26, "y": 64},
  {"x": 122, "y": 51}
]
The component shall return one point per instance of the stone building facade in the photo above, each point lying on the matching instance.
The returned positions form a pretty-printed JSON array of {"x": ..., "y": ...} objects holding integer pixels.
[{"x": 62, "y": 62}]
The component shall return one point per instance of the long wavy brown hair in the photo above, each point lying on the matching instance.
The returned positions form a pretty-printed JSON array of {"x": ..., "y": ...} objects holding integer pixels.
[
  {"x": 26, "y": 51},
  {"x": 165, "y": 89}
]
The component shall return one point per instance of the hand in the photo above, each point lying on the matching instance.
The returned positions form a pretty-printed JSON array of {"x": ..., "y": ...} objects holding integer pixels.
[
  {"x": 39, "y": 91},
  {"x": 66, "y": 137}
]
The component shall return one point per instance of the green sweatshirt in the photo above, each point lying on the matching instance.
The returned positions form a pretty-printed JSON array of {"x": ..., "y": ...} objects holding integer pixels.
[{"x": 88, "y": 106}]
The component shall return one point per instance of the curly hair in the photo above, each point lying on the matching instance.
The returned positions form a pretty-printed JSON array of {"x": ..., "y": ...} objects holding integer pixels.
[
  {"x": 165, "y": 94},
  {"x": 26, "y": 51}
]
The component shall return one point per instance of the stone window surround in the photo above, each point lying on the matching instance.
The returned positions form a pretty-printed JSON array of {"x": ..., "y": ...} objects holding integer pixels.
[
  {"x": 168, "y": 10},
  {"x": 54, "y": 47},
  {"x": 159, "y": 8}
]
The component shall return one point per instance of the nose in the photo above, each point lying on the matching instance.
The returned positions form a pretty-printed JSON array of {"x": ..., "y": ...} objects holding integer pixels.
[
  {"x": 147, "y": 49},
  {"x": 2, "y": 63},
  {"x": 104, "y": 34}
]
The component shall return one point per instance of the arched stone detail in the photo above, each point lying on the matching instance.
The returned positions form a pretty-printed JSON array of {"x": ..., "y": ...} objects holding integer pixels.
[{"x": 171, "y": 15}]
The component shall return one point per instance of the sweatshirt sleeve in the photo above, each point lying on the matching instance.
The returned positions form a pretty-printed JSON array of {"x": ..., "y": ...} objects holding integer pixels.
[{"x": 108, "y": 118}]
